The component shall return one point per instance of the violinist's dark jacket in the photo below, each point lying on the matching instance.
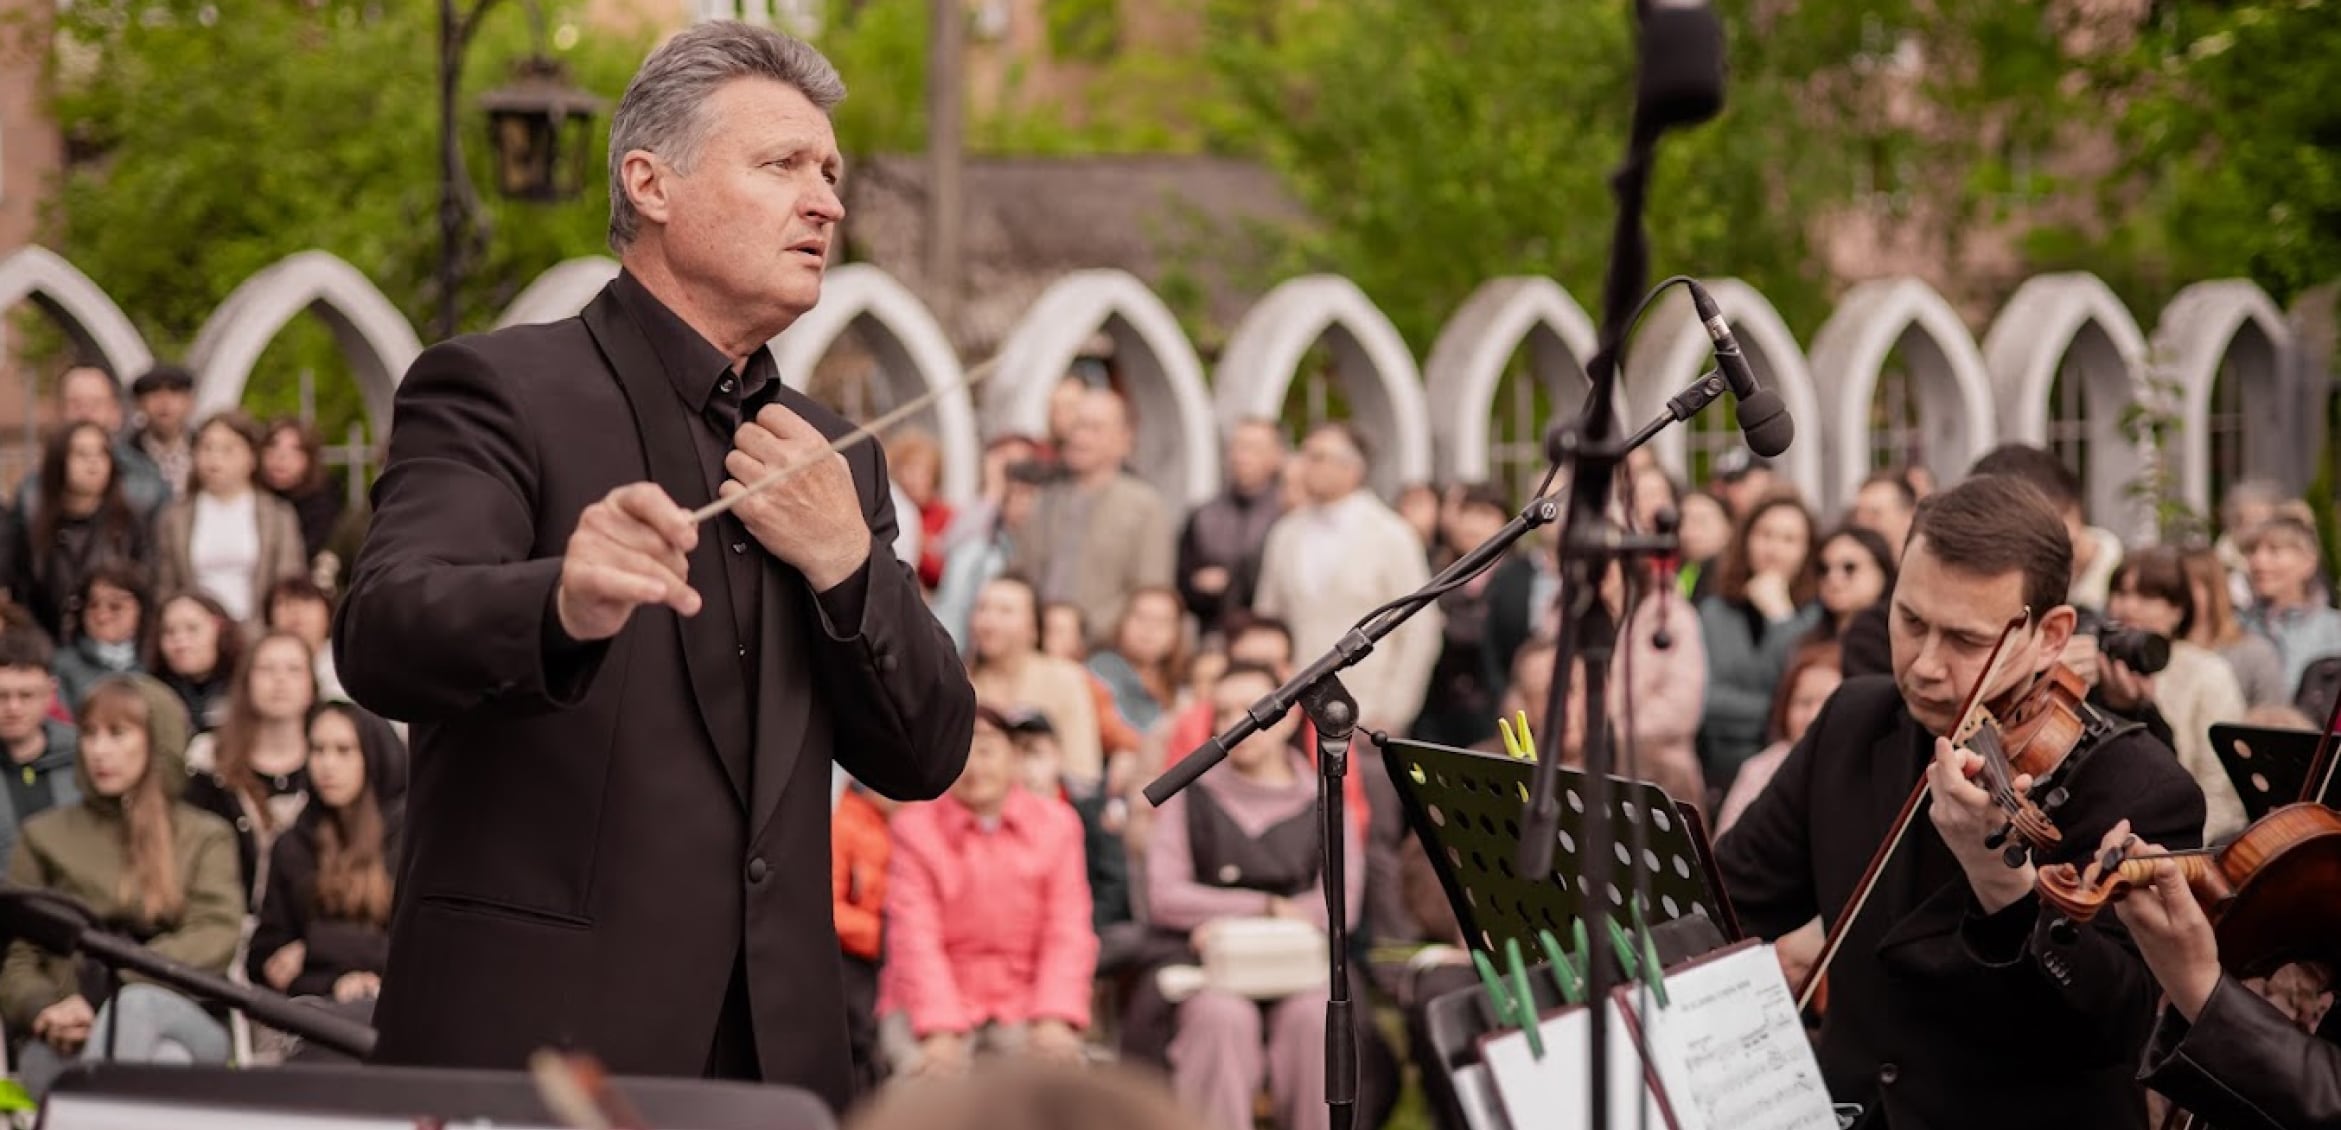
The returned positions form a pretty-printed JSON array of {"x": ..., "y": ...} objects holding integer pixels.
[
  {"x": 1941, "y": 1017},
  {"x": 2244, "y": 1065}
]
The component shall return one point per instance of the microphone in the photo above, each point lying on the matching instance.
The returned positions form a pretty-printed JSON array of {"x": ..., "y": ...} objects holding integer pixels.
[
  {"x": 1763, "y": 418},
  {"x": 1681, "y": 78}
]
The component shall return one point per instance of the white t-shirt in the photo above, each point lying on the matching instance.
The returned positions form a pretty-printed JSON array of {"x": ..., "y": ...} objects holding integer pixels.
[{"x": 224, "y": 550}]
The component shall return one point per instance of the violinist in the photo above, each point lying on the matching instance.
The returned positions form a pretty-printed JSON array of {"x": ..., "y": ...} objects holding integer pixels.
[
  {"x": 1952, "y": 1002},
  {"x": 2220, "y": 1051}
]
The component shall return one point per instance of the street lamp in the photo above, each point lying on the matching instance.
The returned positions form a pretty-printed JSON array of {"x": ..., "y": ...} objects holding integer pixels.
[{"x": 540, "y": 126}]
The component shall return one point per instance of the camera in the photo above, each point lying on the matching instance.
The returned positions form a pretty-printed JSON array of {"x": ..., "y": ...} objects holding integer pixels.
[
  {"x": 2144, "y": 652},
  {"x": 1035, "y": 472}
]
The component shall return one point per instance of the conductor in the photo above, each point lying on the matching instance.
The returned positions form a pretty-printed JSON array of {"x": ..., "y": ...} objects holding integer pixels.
[{"x": 623, "y": 722}]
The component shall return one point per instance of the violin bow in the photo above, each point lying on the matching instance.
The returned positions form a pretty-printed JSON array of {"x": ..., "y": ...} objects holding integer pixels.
[
  {"x": 2322, "y": 770},
  {"x": 1969, "y": 713}
]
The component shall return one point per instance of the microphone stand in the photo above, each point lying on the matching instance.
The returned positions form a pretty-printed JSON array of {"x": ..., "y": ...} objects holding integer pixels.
[
  {"x": 1318, "y": 690},
  {"x": 61, "y": 926}
]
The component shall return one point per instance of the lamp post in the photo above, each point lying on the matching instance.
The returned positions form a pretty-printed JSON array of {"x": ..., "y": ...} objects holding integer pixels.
[{"x": 541, "y": 128}]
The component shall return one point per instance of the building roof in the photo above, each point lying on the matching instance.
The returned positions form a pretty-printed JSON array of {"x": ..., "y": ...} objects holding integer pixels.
[{"x": 1190, "y": 227}]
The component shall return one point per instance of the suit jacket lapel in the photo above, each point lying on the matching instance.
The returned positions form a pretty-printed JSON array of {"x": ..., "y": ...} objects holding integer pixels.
[
  {"x": 663, "y": 423},
  {"x": 784, "y": 700}
]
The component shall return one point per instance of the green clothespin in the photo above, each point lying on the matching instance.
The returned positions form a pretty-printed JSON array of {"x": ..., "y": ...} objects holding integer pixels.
[
  {"x": 1511, "y": 1003},
  {"x": 1568, "y": 972},
  {"x": 1517, "y": 742},
  {"x": 1640, "y": 960}
]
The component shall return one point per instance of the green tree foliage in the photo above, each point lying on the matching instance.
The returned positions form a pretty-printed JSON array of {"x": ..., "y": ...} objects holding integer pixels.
[
  {"x": 208, "y": 140},
  {"x": 1445, "y": 142}
]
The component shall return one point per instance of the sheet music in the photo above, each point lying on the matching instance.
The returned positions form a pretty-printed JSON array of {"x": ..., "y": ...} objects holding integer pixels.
[
  {"x": 1551, "y": 1092},
  {"x": 1730, "y": 1050}
]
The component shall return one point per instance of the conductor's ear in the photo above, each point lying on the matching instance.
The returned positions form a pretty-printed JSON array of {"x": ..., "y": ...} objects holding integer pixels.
[{"x": 648, "y": 182}]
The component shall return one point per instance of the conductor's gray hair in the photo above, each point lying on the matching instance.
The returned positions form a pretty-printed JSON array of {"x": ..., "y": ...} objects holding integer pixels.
[{"x": 663, "y": 111}]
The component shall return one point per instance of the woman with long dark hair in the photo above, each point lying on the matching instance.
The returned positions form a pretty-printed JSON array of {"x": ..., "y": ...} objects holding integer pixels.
[
  {"x": 81, "y": 521},
  {"x": 145, "y": 865},
  {"x": 292, "y": 467},
  {"x": 117, "y": 619},
  {"x": 227, "y": 538},
  {"x": 325, "y": 915},
  {"x": 197, "y": 648},
  {"x": 1763, "y": 603},
  {"x": 252, "y": 771}
]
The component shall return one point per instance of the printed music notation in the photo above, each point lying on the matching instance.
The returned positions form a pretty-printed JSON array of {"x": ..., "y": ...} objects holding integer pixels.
[{"x": 1729, "y": 1050}]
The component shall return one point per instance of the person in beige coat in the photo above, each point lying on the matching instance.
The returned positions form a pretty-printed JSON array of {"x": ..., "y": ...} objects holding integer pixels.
[
  {"x": 227, "y": 538},
  {"x": 1100, "y": 533},
  {"x": 143, "y": 864}
]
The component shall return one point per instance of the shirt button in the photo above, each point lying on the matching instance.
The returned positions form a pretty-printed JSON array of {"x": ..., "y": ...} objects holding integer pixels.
[
  {"x": 757, "y": 870},
  {"x": 1888, "y": 1073},
  {"x": 743, "y": 651},
  {"x": 739, "y": 547},
  {"x": 726, "y": 384}
]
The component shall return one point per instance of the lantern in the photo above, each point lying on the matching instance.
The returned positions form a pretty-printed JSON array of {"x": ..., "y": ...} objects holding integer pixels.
[{"x": 542, "y": 129}]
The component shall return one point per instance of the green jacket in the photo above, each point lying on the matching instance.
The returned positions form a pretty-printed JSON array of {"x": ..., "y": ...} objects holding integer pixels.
[{"x": 81, "y": 851}]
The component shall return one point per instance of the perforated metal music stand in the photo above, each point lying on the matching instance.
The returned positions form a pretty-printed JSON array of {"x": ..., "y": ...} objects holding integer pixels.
[
  {"x": 1466, "y": 806},
  {"x": 2269, "y": 767}
]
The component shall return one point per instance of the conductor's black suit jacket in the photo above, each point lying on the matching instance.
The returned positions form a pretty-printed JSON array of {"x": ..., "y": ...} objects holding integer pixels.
[
  {"x": 1942, "y": 1017},
  {"x": 597, "y": 834}
]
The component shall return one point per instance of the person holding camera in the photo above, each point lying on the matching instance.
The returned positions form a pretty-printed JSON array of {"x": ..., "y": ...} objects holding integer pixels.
[{"x": 2154, "y": 610}]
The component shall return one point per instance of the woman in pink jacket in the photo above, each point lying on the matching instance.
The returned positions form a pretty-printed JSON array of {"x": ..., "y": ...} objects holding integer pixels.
[{"x": 989, "y": 946}]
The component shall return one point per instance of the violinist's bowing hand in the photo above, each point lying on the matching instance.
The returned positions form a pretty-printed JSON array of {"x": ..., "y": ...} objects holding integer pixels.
[
  {"x": 2168, "y": 924},
  {"x": 1966, "y": 818}
]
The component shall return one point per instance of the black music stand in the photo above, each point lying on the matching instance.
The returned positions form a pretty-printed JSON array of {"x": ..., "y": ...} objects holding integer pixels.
[
  {"x": 1466, "y": 808},
  {"x": 2269, "y": 767},
  {"x": 123, "y": 1094}
]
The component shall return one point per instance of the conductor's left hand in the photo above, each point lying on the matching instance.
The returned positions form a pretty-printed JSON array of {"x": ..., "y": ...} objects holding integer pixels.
[{"x": 811, "y": 520}]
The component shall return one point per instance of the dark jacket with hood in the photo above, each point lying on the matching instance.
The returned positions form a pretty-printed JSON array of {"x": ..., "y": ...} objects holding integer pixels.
[
  {"x": 81, "y": 851},
  {"x": 288, "y": 907}
]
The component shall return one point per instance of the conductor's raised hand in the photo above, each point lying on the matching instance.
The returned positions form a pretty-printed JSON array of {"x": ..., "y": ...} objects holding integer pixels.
[
  {"x": 812, "y": 519},
  {"x": 630, "y": 549}
]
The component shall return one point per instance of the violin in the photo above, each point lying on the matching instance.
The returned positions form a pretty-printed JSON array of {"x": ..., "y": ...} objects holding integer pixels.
[
  {"x": 2273, "y": 894},
  {"x": 2029, "y": 731}
]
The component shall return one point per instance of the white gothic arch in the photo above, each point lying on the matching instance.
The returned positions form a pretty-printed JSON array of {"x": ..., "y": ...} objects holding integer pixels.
[
  {"x": 1178, "y": 446},
  {"x": 1467, "y": 364},
  {"x": 1674, "y": 349},
  {"x": 371, "y": 332},
  {"x": 88, "y": 315},
  {"x": 2074, "y": 314},
  {"x": 2204, "y": 326},
  {"x": 560, "y": 292},
  {"x": 1369, "y": 358},
  {"x": 914, "y": 357},
  {"x": 1947, "y": 373}
]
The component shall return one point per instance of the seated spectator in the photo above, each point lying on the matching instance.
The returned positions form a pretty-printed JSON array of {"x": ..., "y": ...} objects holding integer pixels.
[
  {"x": 1762, "y": 605},
  {"x": 1813, "y": 675},
  {"x": 980, "y": 539},
  {"x": 1856, "y": 573},
  {"x": 1704, "y": 533},
  {"x": 113, "y": 631},
  {"x": 82, "y": 523},
  {"x": 1885, "y": 505},
  {"x": 989, "y": 945},
  {"x": 2195, "y": 692},
  {"x": 1040, "y": 768},
  {"x": 292, "y": 467},
  {"x": 197, "y": 652},
  {"x": 1242, "y": 843},
  {"x": 1459, "y": 707},
  {"x": 144, "y": 865},
  {"x": 2287, "y": 605},
  {"x": 324, "y": 921},
  {"x": 252, "y": 771},
  {"x": 2096, "y": 550},
  {"x": 914, "y": 461},
  {"x": 40, "y": 748},
  {"x": 1149, "y": 654},
  {"x": 296, "y": 606},
  {"x": 2259, "y": 671},
  {"x": 1063, "y": 633},
  {"x": 1005, "y": 663},
  {"x": 859, "y": 847},
  {"x": 226, "y": 538}
]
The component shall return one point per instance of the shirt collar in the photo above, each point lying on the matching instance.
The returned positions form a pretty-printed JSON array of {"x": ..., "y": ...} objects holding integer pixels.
[
  {"x": 1015, "y": 812},
  {"x": 693, "y": 364}
]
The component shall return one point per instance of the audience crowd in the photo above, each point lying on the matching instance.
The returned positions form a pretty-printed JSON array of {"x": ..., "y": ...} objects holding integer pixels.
[{"x": 185, "y": 763}]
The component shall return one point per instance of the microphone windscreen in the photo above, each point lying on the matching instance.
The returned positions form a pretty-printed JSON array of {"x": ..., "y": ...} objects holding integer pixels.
[
  {"x": 1681, "y": 82},
  {"x": 1766, "y": 423}
]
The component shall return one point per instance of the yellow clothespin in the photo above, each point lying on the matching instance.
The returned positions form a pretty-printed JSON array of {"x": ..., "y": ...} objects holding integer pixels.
[{"x": 1517, "y": 742}]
